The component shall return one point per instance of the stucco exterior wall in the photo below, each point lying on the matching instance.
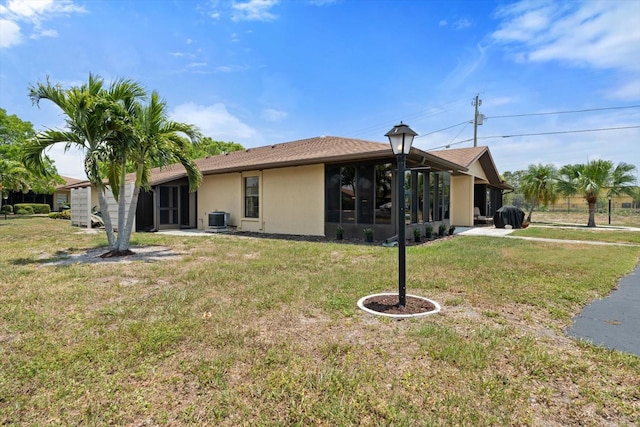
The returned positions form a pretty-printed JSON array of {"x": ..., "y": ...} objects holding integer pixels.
[
  {"x": 220, "y": 193},
  {"x": 291, "y": 200},
  {"x": 476, "y": 170},
  {"x": 462, "y": 200}
]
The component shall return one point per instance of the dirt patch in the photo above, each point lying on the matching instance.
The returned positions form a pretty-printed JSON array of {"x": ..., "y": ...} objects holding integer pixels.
[
  {"x": 389, "y": 304},
  {"x": 140, "y": 254}
]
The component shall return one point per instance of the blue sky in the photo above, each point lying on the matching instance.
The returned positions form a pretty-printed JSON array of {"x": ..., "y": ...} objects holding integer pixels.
[{"x": 260, "y": 72}]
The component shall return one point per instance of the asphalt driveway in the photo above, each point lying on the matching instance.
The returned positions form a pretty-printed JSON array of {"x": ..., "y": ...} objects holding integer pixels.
[{"x": 614, "y": 321}]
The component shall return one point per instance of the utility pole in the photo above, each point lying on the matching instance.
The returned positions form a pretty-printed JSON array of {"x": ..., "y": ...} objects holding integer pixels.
[{"x": 477, "y": 119}]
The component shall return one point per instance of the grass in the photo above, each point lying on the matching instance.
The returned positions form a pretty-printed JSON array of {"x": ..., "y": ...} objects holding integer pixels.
[
  {"x": 243, "y": 331},
  {"x": 599, "y": 235},
  {"x": 619, "y": 217}
]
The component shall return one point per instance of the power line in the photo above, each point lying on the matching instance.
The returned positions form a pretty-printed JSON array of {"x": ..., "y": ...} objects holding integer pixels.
[
  {"x": 440, "y": 130},
  {"x": 563, "y": 112},
  {"x": 559, "y": 132},
  {"x": 537, "y": 134}
]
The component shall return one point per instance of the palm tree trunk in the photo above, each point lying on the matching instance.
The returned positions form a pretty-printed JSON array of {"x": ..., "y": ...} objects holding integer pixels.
[
  {"x": 530, "y": 212},
  {"x": 592, "y": 214},
  {"x": 128, "y": 228},
  {"x": 106, "y": 218}
]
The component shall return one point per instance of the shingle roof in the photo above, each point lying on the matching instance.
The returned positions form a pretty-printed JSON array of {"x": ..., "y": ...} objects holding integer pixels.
[
  {"x": 322, "y": 149},
  {"x": 467, "y": 156},
  {"x": 461, "y": 156},
  {"x": 68, "y": 181}
]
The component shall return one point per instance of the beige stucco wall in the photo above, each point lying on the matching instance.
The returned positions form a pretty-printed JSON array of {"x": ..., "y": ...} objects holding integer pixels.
[
  {"x": 476, "y": 170},
  {"x": 291, "y": 200},
  {"x": 462, "y": 200},
  {"x": 220, "y": 193}
]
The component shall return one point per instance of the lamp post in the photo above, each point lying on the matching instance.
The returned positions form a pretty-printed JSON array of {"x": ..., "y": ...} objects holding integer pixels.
[
  {"x": 5, "y": 196},
  {"x": 609, "y": 210},
  {"x": 401, "y": 138}
]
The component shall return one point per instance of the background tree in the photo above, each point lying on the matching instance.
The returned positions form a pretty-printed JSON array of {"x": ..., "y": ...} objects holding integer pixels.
[
  {"x": 538, "y": 185},
  {"x": 14, "y": 176},
  {"x": 208, "y": 147},
  {"x": 514, "y": 197},
  {"x": 596, "y": 177}
]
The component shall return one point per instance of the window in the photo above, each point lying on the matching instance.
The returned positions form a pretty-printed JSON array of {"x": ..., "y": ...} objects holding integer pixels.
[{"x": 251, "y": 197}]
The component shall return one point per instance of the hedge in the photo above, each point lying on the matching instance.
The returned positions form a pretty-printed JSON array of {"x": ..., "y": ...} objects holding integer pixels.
[
  {"x": 31, "y": 208},
  {"x": 6, "y": 208}
]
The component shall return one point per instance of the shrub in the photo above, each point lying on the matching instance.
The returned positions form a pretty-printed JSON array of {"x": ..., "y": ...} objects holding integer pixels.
[
  {"x": 23, "y": 209},
  {"x": 65, "y": 214},
  {"x": 6, "y": 209},
  {"x": 36, "y": 208}
]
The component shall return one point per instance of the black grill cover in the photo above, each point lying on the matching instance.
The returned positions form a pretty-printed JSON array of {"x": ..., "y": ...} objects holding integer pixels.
[{"x": 508, "y": 215}]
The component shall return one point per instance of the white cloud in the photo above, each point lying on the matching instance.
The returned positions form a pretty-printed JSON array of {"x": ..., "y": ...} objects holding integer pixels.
[
  {"x": 598, "y": 34},
  {"x": 32, "y": 13},
  {"x": 254, "y": 10},
  {"x": 461, "y": 24},
  {"x": 629, "y": 91},
  {"x": 44, "y": 33},
  {"x": 214, "y": 121},
  {"x": 443, "y": 23},
  {"x": 467, "y": 65},
  {"x": 68, "y": 163},
  {"x": 10, "y": 34},
  {"x": 273, "y": 115}
]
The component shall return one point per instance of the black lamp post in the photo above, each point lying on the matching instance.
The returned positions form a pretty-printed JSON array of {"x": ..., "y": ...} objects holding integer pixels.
[
  {"x": 609, "y": 210},
  {"x": 401, "y": 138},
  {"x": 5, "y": 196}
]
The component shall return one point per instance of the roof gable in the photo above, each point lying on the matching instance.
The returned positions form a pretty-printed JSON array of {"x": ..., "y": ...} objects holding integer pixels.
[{"x": 468, "y": 156}]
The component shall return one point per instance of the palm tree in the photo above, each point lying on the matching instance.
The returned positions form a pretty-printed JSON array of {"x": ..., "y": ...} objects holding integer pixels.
[
  {"x": 152, "y": 140},
  {"x": 90, "y": 124},
  {"x": 592, "y": 178},
  {"x": 538, "y": 185},
  {"x": 13, "y": 177}
]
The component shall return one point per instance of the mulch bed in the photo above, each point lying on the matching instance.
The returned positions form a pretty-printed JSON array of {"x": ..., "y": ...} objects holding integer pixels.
[
  {"x": 389, "y": 304},
  {"x": 323, "y": 239}
]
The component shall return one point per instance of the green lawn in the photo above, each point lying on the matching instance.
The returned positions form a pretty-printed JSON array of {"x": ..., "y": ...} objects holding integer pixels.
[
  {"x": 133, "y": 343},
  {"x": 598, "y": 234}
]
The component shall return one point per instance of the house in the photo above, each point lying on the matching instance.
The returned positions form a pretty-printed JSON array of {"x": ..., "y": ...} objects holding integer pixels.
[
  {"x": 60, "y": 196},
  {"x": 479, "y": 186},
  {"x": 311, "y": 186}
]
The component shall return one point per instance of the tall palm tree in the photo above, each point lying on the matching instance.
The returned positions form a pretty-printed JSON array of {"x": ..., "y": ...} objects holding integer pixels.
[
  {"x": 538, "y": 185},
  {"x": 592, "y": 178},
  {"x": 151, "y": 139},
  {"x": 90, "y": 124}
]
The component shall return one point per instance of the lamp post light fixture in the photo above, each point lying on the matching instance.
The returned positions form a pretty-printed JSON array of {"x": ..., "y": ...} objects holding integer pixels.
[
  {"x": 609, "y": 210},
  {"x": 401, "y": 138}
]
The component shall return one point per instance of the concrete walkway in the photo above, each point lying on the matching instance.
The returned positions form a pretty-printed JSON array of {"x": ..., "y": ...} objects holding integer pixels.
[{"x": 612, "y": 322}]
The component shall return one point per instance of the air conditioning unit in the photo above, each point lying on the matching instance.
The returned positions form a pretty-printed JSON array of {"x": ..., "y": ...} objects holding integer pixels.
[{"x": 217, "y": 221}]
